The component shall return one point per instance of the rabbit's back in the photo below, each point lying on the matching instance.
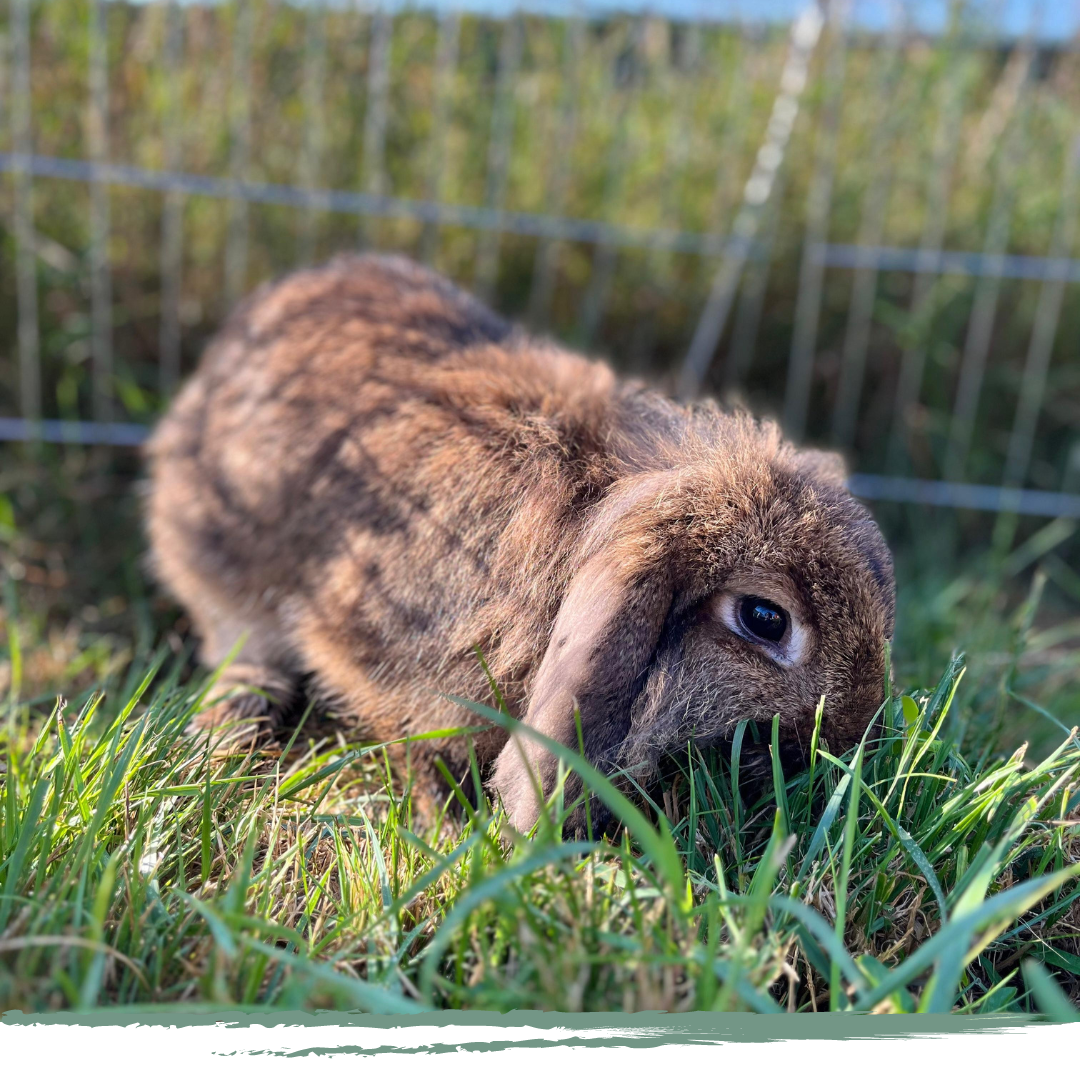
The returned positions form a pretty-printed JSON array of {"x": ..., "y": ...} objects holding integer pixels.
[
  {"x": 371, "y": 474},
  {"x": 368, "y": 391}
]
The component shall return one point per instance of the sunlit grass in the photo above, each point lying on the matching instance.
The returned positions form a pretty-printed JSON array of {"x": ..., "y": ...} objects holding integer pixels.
[
  {"x": 139, "y": 868},
  {"x": 136, "y": 868}
]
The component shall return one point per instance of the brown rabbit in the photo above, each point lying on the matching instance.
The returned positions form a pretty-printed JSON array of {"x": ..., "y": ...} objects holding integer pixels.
[{"x": 371, "y": 475}]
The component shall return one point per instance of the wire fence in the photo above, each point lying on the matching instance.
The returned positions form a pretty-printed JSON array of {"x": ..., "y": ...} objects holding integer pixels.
[{"x": 869, "y": 233}]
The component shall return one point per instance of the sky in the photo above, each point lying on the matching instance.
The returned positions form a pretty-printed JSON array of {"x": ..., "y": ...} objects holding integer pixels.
[{"x": 1050, "y": 20}]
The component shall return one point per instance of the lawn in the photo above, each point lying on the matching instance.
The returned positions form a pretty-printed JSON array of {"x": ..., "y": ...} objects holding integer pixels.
[{"x": 933, "y": 868}]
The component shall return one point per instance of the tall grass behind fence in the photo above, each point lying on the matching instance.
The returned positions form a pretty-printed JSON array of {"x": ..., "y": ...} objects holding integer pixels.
[{"x": 901, "y": 282}]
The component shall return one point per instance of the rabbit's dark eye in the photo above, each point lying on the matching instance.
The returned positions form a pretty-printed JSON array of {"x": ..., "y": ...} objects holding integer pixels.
[{"x": 763, "y": 618}]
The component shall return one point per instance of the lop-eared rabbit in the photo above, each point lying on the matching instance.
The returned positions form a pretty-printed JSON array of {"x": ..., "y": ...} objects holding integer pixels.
[{"x": 372, "y": 476}]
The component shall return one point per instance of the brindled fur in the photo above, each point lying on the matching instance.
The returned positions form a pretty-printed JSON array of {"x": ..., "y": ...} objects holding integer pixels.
[{"x": 371, "y": 476}]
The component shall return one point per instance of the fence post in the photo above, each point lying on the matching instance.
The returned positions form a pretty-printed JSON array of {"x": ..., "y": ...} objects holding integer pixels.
[
  {"x": 737, "y": 98},
  {"x": 446, "y": 61},
  {"x": 547, "y": 249},
  {"x": 675, "y": 81},
  {"x": 172, "y": 222},
  {"x": 100, "y": 281},
  {"x": 856, "y": 342},
  {"x": 375, "y": 108},
  {"x": 605, "y": 253},
  {"x": 805, "y": 32},
  {"x": 751, "y": 295},
  {"x": 912, "y": 361},
  {"x": 236, "y": 243},
  {"x": 987, "y": 292},
  {"x": 25, "y": 245},
  {"x": 812, "y": 267},
  {"x": 314, "y": 130},
  {"x": 499, "y": 148},
  {"x": 1047, "y": 314},
  {"x": 751, "y": 288}
]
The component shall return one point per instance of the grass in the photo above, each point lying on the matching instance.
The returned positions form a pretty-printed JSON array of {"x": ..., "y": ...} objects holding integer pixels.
[
  {"x": 1012, "y": 609},
  {"x": 136, "y": 868}
]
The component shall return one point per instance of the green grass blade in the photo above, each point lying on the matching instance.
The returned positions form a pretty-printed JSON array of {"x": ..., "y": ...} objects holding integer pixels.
[
  {"x": 27, "y": 833},
  {"x": 1007, "y": 904},
  {"x": 1053, "y": 1004},
  {"x": 656, "y": 843}
]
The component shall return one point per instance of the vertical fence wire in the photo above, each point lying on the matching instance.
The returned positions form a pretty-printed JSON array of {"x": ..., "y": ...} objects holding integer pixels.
[
  {"x": 1041, "y": 345},
  {"x": 311, "y": 151},
  {"x": 682, "y": 69},
  {"x": 819, "y": 201},
  {"x": 376, "y": 110},
  {"x": 1071, "y": 480},
  {"x": 804, "y": 38},
  {"x": 751, "y": 288},
  {"x": 25, "y": 246},
  {"x": 499, "y": 146},
  {"x": 676, "y": 76},
  {"x": 547, "y": 250},
  {"x": 447, "y": 47},
  {"x": 236, "y": 242},
  {"x": 751, "y": 295},
  {"x": 100, "y": 278},
  {"x": 939, "y": 186},
  {"x": 856, "y": 342},
  {"x": 605, "y": 254},
  {"x": 172, "y": 220},
  {"x": 987, "y": 292},
  {"x": 737, "y": 99}
]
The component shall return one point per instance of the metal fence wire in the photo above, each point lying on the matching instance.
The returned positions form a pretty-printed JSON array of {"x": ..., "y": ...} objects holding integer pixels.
[{"x": 865, "y": 228}]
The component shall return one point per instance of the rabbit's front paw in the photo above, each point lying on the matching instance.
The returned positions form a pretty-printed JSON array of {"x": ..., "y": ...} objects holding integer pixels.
[
  {"x": 246, "y": 702},
  {"x": 232, "y": 724}
]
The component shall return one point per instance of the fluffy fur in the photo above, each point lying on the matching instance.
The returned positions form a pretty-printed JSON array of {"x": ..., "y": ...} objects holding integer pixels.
[{"x": 371, "y": 475}]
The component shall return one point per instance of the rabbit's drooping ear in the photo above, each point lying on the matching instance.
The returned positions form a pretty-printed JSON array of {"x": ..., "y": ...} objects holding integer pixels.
[{"x": 601, "y": 644}]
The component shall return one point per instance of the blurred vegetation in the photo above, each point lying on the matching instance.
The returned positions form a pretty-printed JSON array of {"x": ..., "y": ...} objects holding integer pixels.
[{"x": 669, "y": 118}]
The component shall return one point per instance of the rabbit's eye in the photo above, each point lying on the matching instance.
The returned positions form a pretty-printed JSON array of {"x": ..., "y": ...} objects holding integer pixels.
[{"x": 762, "y": 618}]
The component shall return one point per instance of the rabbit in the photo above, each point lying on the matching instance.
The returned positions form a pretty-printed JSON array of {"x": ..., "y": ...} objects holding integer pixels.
[{"x": 371, "y": 478}]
